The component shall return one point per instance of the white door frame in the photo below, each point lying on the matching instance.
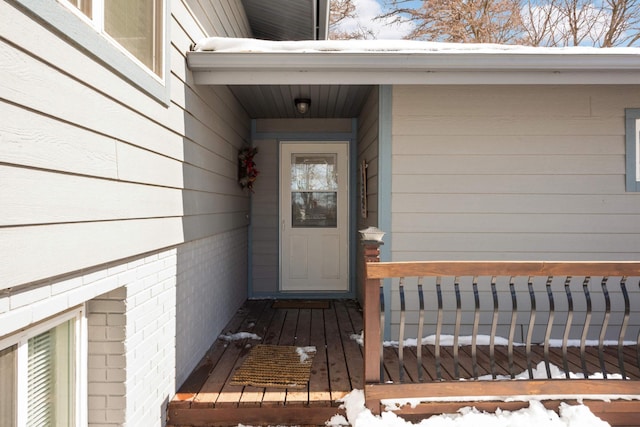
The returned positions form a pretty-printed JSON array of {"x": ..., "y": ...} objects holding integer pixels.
[{"x": 336, "y": 239}]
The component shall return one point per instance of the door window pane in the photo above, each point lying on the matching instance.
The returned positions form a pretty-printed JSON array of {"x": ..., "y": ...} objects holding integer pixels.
[
  {"x": 313, "y": 209},
  {"x": 314, "y": 195},
  {"x": 314, "y": 172},
  {"x": 137, "y": 26},
  {"x": 8, "y": 386}
]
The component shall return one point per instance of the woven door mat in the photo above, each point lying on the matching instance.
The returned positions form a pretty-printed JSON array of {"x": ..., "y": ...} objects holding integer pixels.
[
  {"x": 275, "y": 366},
  {"x": 300, "y": 304}
]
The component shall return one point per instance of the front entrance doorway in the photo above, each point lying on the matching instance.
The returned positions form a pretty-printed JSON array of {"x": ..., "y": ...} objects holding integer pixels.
[{"x": 314, "y": 217}]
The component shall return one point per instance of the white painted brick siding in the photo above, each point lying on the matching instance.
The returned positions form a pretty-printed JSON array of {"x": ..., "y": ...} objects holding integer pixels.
[
  {"x": 131, "y": 367},
  {"x": 105, "y": 380},
  {"x": 212, "y": 278},
  {"x": 150, "y": 339},
  {"x": 150, "y": 321}
]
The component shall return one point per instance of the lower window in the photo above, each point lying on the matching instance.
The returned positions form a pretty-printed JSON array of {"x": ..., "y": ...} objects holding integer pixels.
[{"x": 40, "y": 371}]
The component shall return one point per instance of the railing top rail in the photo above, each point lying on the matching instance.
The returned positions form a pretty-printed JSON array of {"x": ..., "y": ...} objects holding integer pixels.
[{"x": 381, "y": 270}]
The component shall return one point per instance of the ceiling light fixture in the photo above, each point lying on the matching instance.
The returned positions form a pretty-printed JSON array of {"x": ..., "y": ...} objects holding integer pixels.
[{"x": 302, "y": 105}]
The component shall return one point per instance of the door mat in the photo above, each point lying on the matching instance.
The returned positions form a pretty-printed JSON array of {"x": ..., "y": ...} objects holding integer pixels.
[
  {"x": 300, "y": 303},
  {"x": 276, "y": 366}
]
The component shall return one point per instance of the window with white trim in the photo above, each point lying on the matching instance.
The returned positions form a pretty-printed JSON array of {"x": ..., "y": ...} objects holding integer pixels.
[
  {"x": 135, "y": 25},
  {"x": 130, "y": 37},
  {"x": 41, "y": 374},
  {"x": 633, "y": 148}
]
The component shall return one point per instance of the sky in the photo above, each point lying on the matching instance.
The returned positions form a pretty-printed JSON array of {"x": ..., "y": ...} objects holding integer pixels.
[{"x": 366, "y": 11}]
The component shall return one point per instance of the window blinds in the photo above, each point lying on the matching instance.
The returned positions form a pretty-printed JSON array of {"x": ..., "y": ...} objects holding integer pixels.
[
  {"x": 8, "y": 386},
  {"x": 51, "y": 380}
]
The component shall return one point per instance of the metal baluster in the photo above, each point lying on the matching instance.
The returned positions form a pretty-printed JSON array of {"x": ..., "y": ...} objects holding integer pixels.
[
  {"x": 567, "y": 326},
  {"x": 512, "y": 327},
  {"x": 420, "y": 328},
  {"x": 456, "y": 334},
  {"x": 623, "y": 328},
  {"x": 476, "y": 322},
  {"x": 532, "y": 322},
  {"x": 605, "y": 325},
  {"x": 585, "y": 328},
  {"x": 494, "y": 328},
  {"x": 547, "y": 335},
  {"x": 438, "y": 328},
  {"x": 381, "y": 334},
  {"x": 402, "y": 326}
]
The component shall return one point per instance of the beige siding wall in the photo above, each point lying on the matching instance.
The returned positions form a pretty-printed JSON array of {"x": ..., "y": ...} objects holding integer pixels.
[
  {"x": 513, "y": 173},
  {"x": 368, "y": 131},
  {"x": 93, "y": 169},
  {"x": 265, "y": 206}
]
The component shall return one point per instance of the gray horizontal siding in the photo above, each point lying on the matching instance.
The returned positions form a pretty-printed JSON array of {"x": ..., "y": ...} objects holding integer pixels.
[
  {"x": 513, "y": 173},
  {"x": 94, "y": 169},
  {"x": 500, "y": 172}
]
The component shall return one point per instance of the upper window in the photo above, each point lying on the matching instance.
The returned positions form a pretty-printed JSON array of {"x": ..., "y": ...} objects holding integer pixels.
[
  {"x": 40, "y": 373},
  {"x": 128, "y": 36},
  {"x": 135, "y": 25},
  {"x": 633, "y": 148}
]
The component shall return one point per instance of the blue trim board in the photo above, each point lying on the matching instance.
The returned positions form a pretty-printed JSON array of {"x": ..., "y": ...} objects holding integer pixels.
[
  {"x": 304, "y": 136},
  {"x": 632, "y": 131},
  {"x": 384, "y": 189},
  {"x": 301, "y": 295},
  {"x": 250, "y": 228},
  {"x": 354, "y": 239}
]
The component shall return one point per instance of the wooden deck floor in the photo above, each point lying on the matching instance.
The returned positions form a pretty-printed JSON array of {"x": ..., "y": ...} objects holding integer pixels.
[{"x": 207, "y": 398}]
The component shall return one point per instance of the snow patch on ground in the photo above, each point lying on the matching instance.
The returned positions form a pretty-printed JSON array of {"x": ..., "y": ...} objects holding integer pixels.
[
  {"x": 536, "y": 415},
  {"x": 239, "y": 336},
  {"x": 448, "y": 340},
  {"x": 304, "y": 352}
]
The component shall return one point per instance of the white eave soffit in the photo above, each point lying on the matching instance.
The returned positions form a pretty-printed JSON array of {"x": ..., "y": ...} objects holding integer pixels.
[{"x": 246, "y": 61}]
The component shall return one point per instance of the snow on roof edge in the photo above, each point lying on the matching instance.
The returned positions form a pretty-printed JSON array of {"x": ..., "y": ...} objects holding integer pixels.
[{"x": 245, "y": 45}]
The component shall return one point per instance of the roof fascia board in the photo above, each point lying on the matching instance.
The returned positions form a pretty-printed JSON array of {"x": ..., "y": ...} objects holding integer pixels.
[
  {"x": 441, "y": 77},
  {"x": 407, "y": 68}
]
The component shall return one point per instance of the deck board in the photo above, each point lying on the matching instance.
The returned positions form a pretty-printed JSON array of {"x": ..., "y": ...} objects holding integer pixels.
[
  {"x": 340, "y": 383},
  {"x": 319, "y": 387},
  {"x": 352, "y": 350},
  {"x": 207, "y": 399}
]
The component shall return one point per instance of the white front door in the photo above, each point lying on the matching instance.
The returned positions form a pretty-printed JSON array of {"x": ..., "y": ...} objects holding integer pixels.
[{"x": 314, "y": 199}]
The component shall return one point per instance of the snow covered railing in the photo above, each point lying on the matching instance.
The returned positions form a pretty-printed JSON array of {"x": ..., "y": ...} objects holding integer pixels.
[{"x": 593, "y": 306}]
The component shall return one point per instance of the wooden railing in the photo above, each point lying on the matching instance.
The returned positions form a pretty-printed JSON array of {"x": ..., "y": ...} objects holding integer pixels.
[{"x": 553, "y": 314}]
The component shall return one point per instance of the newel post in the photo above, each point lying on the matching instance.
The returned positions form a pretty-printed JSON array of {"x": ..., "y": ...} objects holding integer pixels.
[{"x": 371, "y": 241}]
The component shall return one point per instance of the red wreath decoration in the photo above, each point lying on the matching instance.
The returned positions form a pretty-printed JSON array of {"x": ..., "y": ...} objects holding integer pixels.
[{"x": 247, "y": 172}]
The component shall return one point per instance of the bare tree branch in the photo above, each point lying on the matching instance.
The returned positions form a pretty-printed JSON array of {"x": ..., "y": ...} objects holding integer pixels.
[
  {"x": 477, "y": 21},
  {"x": 603, "y": 23}
]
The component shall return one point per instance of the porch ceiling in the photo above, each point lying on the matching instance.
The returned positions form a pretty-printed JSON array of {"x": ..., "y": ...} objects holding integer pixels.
[{"x": 277, "y": 101}]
